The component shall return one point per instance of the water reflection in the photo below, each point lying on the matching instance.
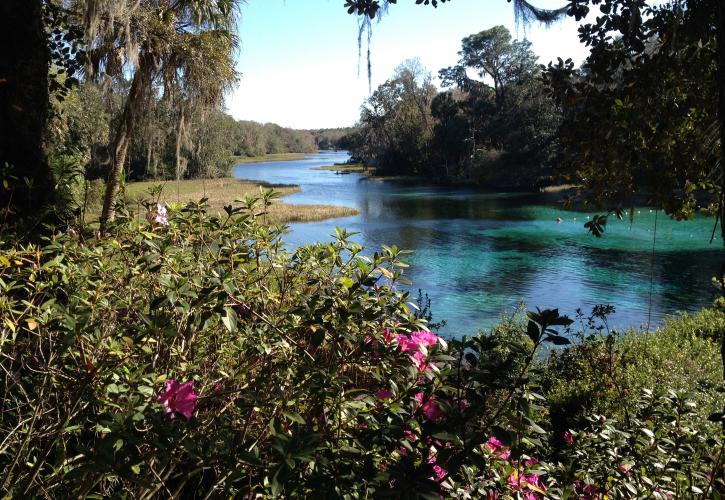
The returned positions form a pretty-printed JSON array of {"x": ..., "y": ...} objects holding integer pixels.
[{"x": 479, "y": 254}]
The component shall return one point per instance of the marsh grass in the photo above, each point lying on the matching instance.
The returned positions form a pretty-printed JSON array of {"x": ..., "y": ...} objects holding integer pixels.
[
  {"x": 357, "y": 168},
  {"x": 268, "y": 158},
  {"x": 224, "y": 191}
]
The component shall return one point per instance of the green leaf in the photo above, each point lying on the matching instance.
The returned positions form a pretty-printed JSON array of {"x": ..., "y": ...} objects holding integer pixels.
[
  {"x": 295, "y": 417},
  {"x": 230, "y": 319}
]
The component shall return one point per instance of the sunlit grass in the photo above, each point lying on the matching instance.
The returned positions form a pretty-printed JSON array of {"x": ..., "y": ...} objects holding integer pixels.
[
  {"x": 224, "y": 191},
  {"x": 357, "y": 168},
  {"x": 267, "y": 158}
]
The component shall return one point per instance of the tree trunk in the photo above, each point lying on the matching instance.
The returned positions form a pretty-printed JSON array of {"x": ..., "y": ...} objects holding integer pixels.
[
  {"x": 24, "y": 108},
  {"x": 179, "y": 138},
  {"x": 129, "y": 119}
]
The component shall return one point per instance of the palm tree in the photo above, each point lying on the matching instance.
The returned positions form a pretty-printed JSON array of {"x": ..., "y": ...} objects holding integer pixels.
[{"x": 181, "y": 48}]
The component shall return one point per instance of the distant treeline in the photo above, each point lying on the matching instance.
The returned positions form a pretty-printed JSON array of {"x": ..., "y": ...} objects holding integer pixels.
[
  {"x": 332, "y": 138},
  {"x": 171, "y": 141}
]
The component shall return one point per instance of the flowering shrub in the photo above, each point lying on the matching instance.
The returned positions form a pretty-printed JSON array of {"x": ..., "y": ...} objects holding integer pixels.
[{"x": 189, "y": 355}]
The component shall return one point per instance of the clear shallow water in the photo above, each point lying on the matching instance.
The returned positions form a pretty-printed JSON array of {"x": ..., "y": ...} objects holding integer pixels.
[{"x": 480, "y": 254}]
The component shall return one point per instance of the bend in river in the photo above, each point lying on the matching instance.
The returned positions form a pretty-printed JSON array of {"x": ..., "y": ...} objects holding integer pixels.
[{"x": 479, "y": 254}]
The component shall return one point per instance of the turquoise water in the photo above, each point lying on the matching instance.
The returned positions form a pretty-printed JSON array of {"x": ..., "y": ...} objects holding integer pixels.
[{"x": 480, "y": 254}]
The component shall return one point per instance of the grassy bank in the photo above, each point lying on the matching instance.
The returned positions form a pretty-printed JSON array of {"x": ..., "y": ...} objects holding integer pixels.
[
  {"x": 268, "y": 158},
  {"x": 352, "y": 168},
  {"x": 224, "y": 191}
]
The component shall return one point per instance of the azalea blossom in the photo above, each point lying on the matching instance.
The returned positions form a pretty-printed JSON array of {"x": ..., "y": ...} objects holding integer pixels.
[
  {"x": 624, "y": 469},
  {"x": 388, "y": 336},
  {"x": 416, "y": 341},
  {"x": 178, "y": 398},
  {"x": 568, "y": 438},
  {"x": 431, "y": 410},
  {"x": 586, "y": 491},
  {"x": 424, "y": 338},
  {"x": 410, "y": 435},
  {"x": 498, "y": 449},
  {"x": 440, "y": 473},
  {"x": 419, "y": 361},
  {"x": 524, "y": 483},
  {"x": 494, "y": 444}
]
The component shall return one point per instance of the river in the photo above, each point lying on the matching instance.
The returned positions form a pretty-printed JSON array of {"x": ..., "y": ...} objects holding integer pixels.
[{"x": 478, "y": 254}]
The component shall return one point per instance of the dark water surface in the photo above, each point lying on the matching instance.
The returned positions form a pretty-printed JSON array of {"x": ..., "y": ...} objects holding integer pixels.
[{"x": 479, "y": 254}]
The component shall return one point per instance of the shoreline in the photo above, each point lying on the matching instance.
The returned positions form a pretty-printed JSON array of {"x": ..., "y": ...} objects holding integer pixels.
[
  {"x": 224, "y": 190},
  {"x": 269, "y": 158}
]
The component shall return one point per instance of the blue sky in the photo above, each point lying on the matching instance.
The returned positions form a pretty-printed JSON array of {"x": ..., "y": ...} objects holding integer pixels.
[{"x": 299, "y": 58}]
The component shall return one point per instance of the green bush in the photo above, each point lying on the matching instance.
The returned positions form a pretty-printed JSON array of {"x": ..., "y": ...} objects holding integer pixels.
[
  {"x": 192, "y": 355},
  {"x": 605, "y": 371}
]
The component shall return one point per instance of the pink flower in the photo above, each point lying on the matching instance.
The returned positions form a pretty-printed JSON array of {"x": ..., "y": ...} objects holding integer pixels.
[
  {"x": 492, "y": 495},
  {"x": 586, "y": 491},
  {"x": 440, "y": 473},
  {"x": 422, "y": 337},
  {"x": 388, "y": 336},
  {"x": 524, "y": 482},
  {"x": 568, "y": 438},
  {"x": 494, "y": 444},
  {"x": 419, "y": 398},
  {"x": 432, "y": 411},
  {"x": 624, "y": 469},
  {"x": 405, "y": 344},
  {"x": 419, "y": 361},
  {"x": 530, "y": 462},
  {"x": 430, "y": 408},
  {"x": 498, "y": 449},
  {"x": 416, "y": 340},
  {"x": 384, "y": 394},
  {"x": 178, "y": 398},
  {"x": 410, "y": 435}
]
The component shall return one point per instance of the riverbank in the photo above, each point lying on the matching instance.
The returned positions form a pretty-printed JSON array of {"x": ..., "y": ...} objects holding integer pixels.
[
  {"x": 224, "y": 191},
  {"x": 268, "y": 158},
  {"x": 369, "y": 172}
]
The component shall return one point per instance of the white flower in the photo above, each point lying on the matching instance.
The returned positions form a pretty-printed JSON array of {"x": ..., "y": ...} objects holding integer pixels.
[{"x": 159, "y": 215}]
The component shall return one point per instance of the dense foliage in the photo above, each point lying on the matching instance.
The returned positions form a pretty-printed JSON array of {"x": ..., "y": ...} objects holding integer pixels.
[
  {"x": 639, "y": 114},
  {"x": 184, "y": 354},
  {"x": 205, "y": 147},
  {"x": 497, "y": 128},
  {"x": 190, "y": 354}
]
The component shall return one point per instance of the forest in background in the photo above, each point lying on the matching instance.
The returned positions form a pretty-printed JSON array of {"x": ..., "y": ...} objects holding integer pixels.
[{"x": 168, "y": 143}]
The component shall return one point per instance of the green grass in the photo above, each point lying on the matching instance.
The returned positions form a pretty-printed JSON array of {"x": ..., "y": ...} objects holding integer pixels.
[
  {"x": 224, "y": 191},
  {"x": 268, "y": 158}
]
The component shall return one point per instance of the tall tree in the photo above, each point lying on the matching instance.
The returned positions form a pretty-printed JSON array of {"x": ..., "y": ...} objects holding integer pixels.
[
  {"x": 23, "y": 109},
  {"x": 183, "y": 46},
  {"x": 493, "y": 55}
]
